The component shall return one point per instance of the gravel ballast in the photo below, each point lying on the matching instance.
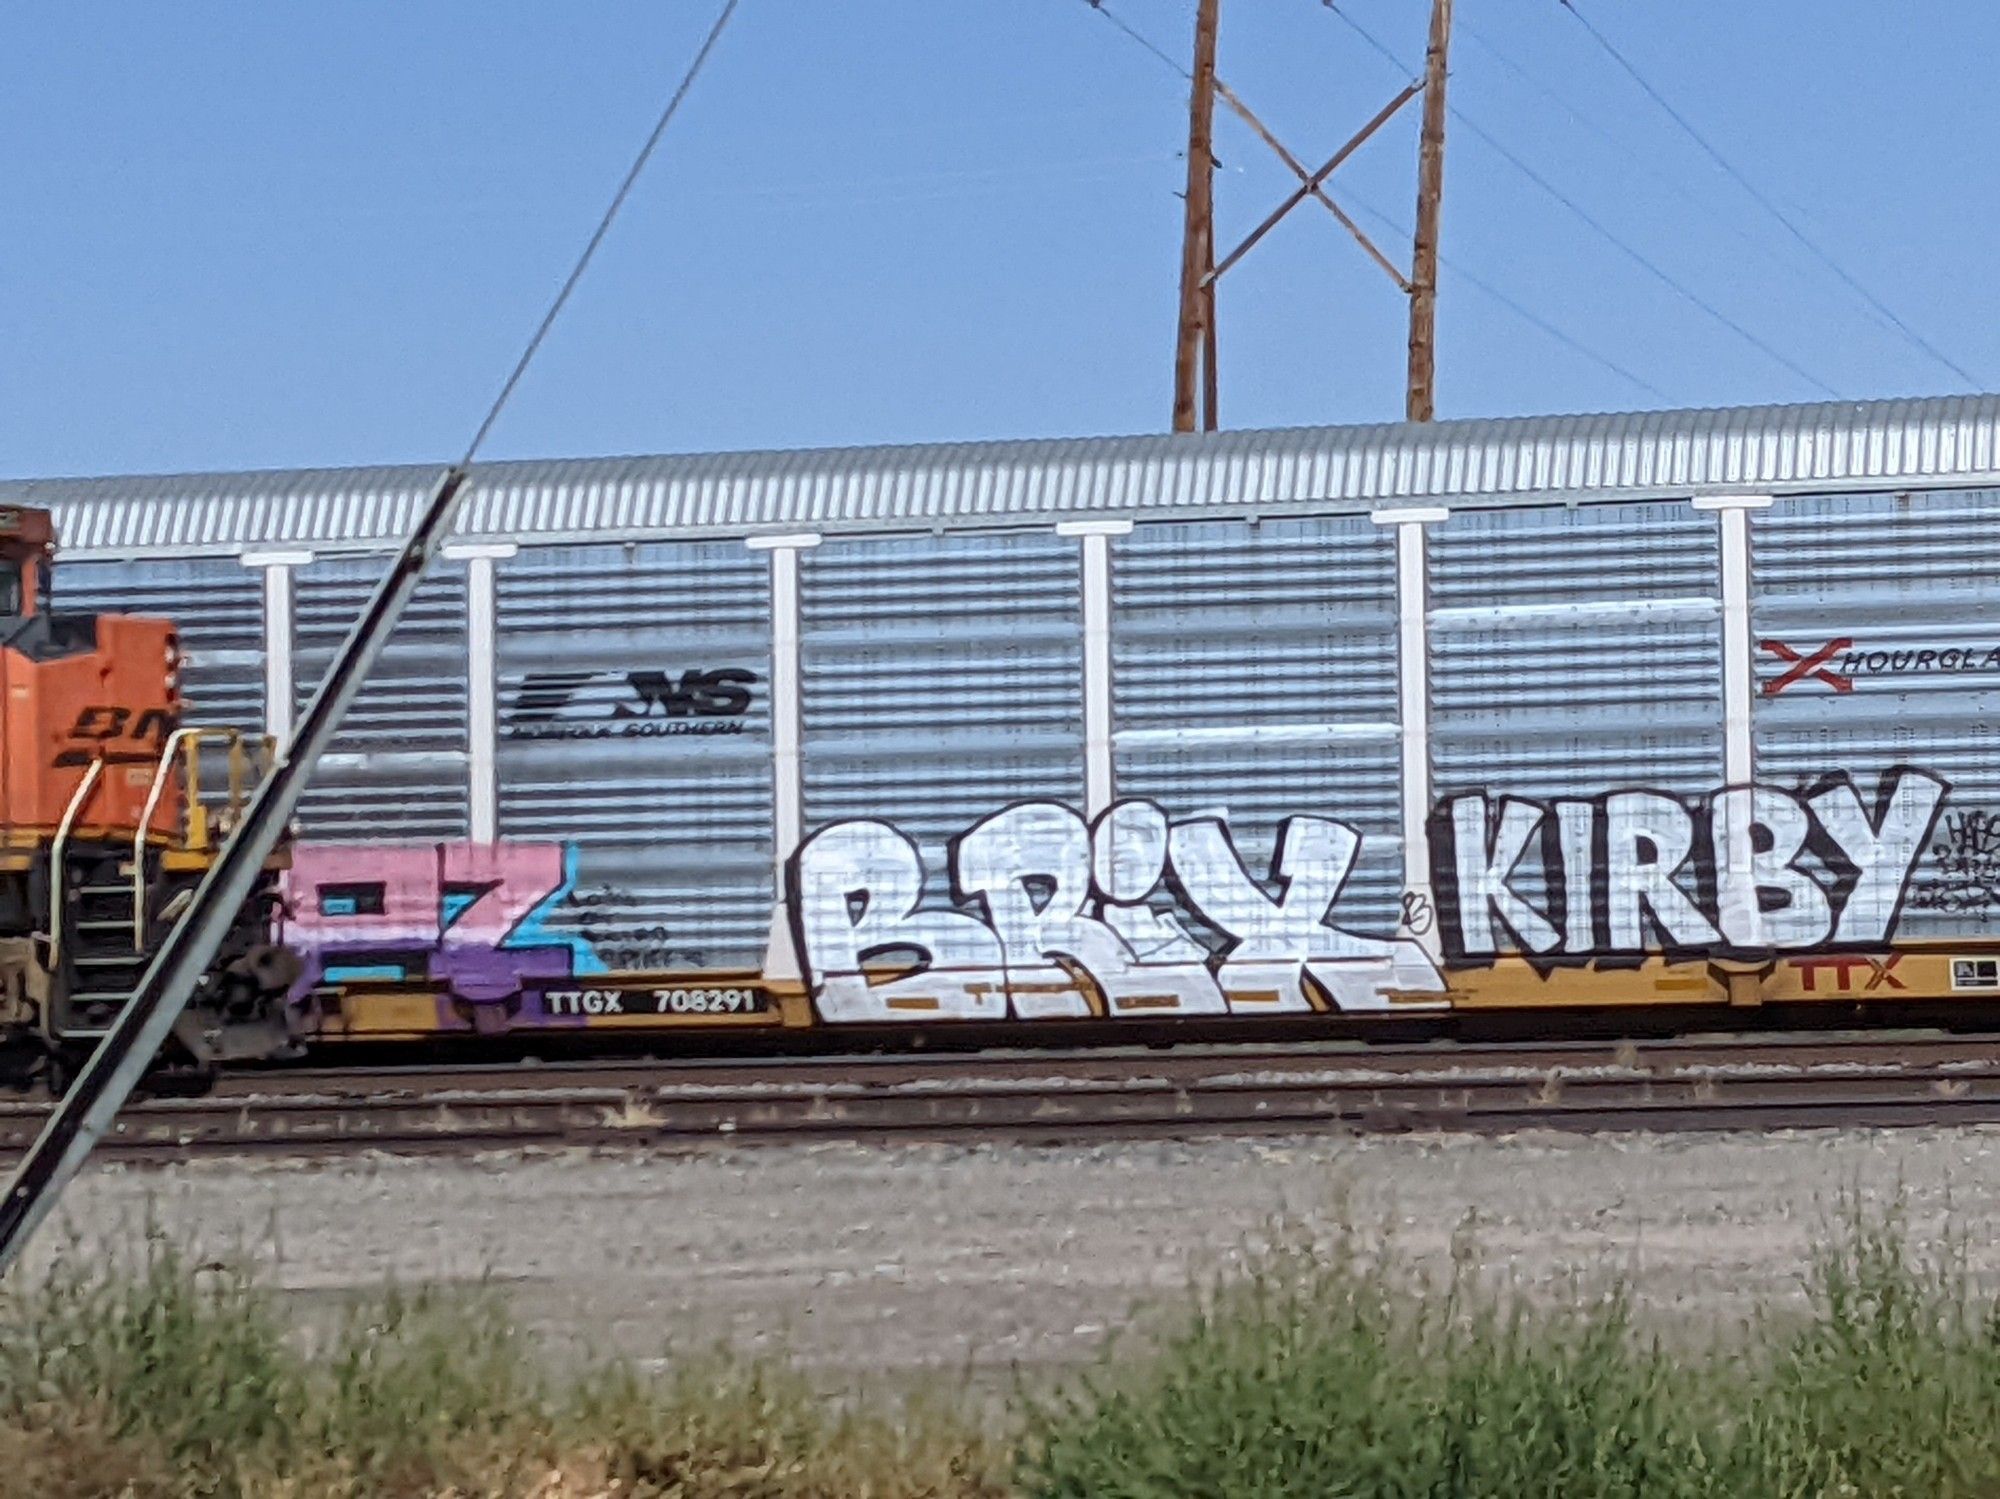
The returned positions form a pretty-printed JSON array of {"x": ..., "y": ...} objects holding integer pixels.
[{"x": 893, "y": 1260}]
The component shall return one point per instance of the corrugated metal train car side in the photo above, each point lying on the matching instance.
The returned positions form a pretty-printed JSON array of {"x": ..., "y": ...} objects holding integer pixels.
[{"x": 1666, "y": 710}]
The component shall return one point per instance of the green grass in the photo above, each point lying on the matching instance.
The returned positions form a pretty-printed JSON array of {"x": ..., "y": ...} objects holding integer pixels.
[
  {"x": 1324, "y": 1369},
  {"x": 169, "y": 1381},
  {"x": 1331, "y": 1372}
]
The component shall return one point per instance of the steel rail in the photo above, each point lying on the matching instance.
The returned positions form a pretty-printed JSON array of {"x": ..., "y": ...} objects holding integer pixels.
[
  {"x": 1185, "y": 1060},
  {"x": 1138, "y": 1097}
]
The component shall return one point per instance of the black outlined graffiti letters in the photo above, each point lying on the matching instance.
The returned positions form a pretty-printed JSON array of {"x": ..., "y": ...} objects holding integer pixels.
[
  {"x": 1746, "y": 869},
  {"x": 856, "y": 891},
  {"x": 1138, "y": 914},
  {"x": 1964, "y": 875},
  {"x": 1051, "y": 913}
]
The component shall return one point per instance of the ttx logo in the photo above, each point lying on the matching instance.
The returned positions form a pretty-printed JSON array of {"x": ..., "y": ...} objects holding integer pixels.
[
  {"x": 1848, "y": 973},
  {"x": 577, "y": 705}
]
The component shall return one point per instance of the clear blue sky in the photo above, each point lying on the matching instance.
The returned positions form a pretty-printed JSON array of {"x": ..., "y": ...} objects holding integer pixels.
[{"x": 251, "y": 234}]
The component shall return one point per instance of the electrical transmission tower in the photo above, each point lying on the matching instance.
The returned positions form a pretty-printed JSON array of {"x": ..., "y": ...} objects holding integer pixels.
[{"x": 1195, "y": 345}]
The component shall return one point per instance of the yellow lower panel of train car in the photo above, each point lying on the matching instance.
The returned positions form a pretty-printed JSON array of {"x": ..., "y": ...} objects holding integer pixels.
[
  {"x": 389, "y": 1011},
  {"x": 1958, "y": 973},
  {"x": 1932, "y": 973},
  {"x": 1514, "y": 984}
]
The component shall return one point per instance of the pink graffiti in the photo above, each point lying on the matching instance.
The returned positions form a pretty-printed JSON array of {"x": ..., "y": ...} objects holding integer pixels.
[{"x": 450, "y": 913}]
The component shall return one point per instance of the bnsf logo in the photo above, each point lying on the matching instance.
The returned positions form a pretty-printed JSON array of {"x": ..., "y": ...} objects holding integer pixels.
[
  {"x": 100, "y": 723},
  {"x": 641, "y": 704}
]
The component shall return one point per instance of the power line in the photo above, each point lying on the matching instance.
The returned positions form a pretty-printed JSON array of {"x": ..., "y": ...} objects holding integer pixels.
[
  {"x": 1138, "y": 36},
  {"x": 1367, "y": 36},
  {"x": 1512, "y": 304},
  {"x": 1518, "y": 308},
  {"x": 1641, "y": 259},
  {"x": 1598, "y": 227},
  {"x": 1790, "y": 225},
  {"x": 1594, "y": 127},
  {"x": 597, "y": 236}
]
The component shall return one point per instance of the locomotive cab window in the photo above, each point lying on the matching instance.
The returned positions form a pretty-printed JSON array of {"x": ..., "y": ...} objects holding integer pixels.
[{"x": 24, "y": 586}]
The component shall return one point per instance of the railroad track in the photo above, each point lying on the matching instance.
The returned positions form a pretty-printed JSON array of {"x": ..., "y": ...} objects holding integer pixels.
[{"x": 1761, "y": 1082}]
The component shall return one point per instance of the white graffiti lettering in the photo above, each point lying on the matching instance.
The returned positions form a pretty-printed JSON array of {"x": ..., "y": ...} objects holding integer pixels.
[
  {"x": 1128, "y": 861},
  {"x": 1880, "y": 849},
  {"x": 1073, "y": 922},
  {"x": 1276, "y": 946},
  {"x": 1764, "y": 899},
  {"x": 1482, "y": 861},
  {"x": 1749, "y": 869},
  {"x": 856, "y": 893},
  {"x": 1647, "y": 838}
]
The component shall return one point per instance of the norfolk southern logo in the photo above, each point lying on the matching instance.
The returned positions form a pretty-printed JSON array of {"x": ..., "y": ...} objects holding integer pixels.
[{"x": 629, "y": 705}]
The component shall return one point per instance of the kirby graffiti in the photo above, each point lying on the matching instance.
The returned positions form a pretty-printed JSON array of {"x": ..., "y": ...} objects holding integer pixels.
[
  {"x": 1749, "y": 869},
  {"x": 467, "y": 916},
  {"x": 1054, "y": 916}
]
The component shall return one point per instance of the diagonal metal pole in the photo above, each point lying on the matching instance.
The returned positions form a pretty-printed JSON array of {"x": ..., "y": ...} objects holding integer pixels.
[{"x": 177, "y": 970}]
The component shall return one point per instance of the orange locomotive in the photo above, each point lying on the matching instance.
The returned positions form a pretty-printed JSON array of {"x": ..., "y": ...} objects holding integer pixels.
[{"x": 107, "y": 824}]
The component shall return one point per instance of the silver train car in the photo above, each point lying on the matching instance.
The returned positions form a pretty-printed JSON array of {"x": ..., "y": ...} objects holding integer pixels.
[{"x": 1677, "y": 711}]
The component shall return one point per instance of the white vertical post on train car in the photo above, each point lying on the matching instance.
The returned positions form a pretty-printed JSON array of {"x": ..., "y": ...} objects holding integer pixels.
[
  {"x": 280, "y": 689},
  {"x": 1739, "y": 682},
  {"x": 781, "y": 960},
  {"x": 1413, "y": 706},
  {"x": 1099, "y": 773},
  {"x": 482, "y": 671}
]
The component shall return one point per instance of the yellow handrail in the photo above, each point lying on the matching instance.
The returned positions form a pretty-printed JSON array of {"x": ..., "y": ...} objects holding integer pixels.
[
  {"x": 197, "y": 814},
  {"x": 161, "y": 775}
]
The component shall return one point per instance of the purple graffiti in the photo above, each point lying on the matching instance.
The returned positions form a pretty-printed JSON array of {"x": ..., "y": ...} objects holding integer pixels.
[{"x": 464, "y": 916}]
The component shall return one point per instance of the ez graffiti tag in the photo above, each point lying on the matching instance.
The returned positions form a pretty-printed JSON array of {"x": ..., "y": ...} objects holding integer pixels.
[
  {"x": 1747, "y": 869},
  {"x": 1055, "y": 916},
  {"x": 465, "y": 916}
]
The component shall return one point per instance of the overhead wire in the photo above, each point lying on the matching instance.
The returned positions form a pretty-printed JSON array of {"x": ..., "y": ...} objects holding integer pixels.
[
  {"x": 1596, "y": 225},
  {"x": 1512, "y": 304},
  {"x": 128, "y": 1048},
  {"x": 1138, "y": 36},
  {"x": 1790, "y": 225},
  {"x": 597, "y": 236},
  {"x": 1595, "y": 127}
]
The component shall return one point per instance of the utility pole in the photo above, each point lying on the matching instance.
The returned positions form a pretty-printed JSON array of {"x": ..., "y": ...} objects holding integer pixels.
[
  {"x": 1194, "y": 350},
  {"x": 1421, "y": 402},
  {"x": 1201, "y": 267}
]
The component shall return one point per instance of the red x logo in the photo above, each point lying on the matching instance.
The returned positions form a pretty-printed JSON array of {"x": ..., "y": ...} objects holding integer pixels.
[{"x": 1807, "y": 666}]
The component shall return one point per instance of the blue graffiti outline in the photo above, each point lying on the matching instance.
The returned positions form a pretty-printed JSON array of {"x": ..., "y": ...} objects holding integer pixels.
[
  {"x": 381, "y": 973},
  {"x": 532, "y": 929}
]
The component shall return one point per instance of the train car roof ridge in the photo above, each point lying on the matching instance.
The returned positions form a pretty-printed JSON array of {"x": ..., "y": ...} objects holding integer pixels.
[{"x": 1940, "y": 441}]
